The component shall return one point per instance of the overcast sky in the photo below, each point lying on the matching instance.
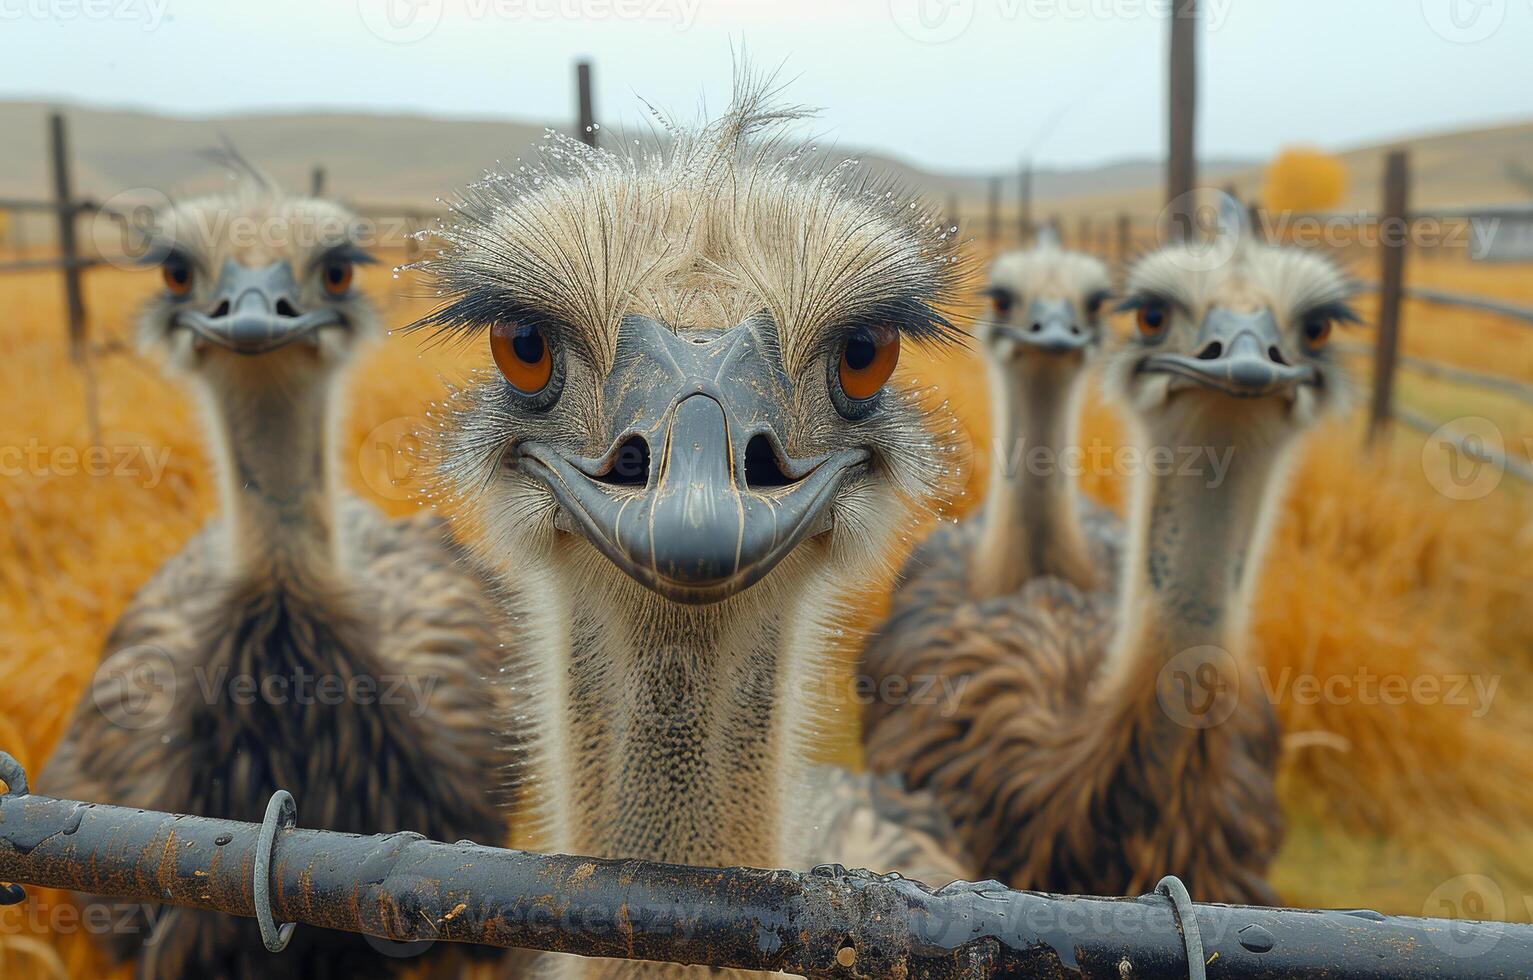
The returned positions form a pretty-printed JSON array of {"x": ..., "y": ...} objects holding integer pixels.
[{"x": 950, "y": 84}]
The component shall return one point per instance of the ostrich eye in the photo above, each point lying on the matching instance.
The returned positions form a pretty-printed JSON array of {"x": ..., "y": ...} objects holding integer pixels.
[
  {"x": 1317, "y": 330},
  {"x": 1001, "y": 301},
  {"x": 337, "y": 275},
  {"x": 867, "y": 361},
  {"x": 1154, "y": 315},
  {"x": 521, "y": 352},
  {"x": 177, "y": 273}
]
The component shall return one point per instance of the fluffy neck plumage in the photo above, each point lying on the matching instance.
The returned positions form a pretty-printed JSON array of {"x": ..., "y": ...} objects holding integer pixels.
[
  {"x": 674, "y": 733},
  {"x": 272, "y": 445},
  {"x": 1031, "y": 519}
]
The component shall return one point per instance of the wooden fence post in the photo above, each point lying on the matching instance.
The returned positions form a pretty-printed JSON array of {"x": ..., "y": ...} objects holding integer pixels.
[
  {"x": 1181, "y": 162},
  {"x": 68, "y": 245},
  {"x": 1025, "y": 204},
  {"x": 317, "y": 182},
  {"x": 1125, "y": 238},
  {"x": 995, "y": 211},
  {"x": 1394, "y": 236},
  {"x": 585, "y": 126}
]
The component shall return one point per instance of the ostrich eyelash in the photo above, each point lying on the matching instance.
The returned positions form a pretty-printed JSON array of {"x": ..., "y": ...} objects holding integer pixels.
[
  {"x": 1337, "y": 312},
  {"x": 475, "y": 311},
  {"x": 344, "y": 252}
]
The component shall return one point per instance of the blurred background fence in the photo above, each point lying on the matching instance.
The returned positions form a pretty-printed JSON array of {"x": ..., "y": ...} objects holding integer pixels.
[{"x": 1386, "y": 240}]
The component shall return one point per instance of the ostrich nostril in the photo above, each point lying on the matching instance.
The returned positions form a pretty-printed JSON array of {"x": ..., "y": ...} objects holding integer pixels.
[
  {"x": 630, "y": 464},
  {"x": 284, "y": 308},
  {"x": 1276, "y": 355},
  {"x": 222, "y": 309},
  {"x": 1075, "y": 331},
  {"x": 1211, "y": 352},
  {"x": 1037, "y": 327},
  {"x": 762, "y": 470}
]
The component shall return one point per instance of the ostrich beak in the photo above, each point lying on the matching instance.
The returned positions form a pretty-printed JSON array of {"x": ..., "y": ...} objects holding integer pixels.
[
  {"x": 1239, "y": 354},
  {"x": 1051, "y": 327},
  {"x": 255, "y": 310},
  {"x": 696, "y": 498}
]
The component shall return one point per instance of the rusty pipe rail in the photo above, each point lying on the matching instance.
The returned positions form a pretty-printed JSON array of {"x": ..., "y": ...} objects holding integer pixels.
[{"x": 826, "y": 923}]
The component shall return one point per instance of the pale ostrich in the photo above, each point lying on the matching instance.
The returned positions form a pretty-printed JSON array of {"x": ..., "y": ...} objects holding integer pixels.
[
  {"x": 1099, "y": 746},
  {"x": 691, "y": 454},
  {"x": 1043, "y": 330},
  {"x": 300, "y": 641}
]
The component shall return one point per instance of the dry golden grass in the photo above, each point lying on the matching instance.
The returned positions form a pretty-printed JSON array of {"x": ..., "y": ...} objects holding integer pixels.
[{"x": 1372, "y": 569}]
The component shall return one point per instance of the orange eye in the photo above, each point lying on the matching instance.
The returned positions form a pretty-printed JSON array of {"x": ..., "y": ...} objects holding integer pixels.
[
  {"x": 1317, "y": 330},
  {"x": 867, "y": 361},
  {"x": 1153, "y": 317},
  {"x": 178, "y": 275},
  {"x": 522, "y": 354},
  {"x": 337, "y": 276},
  {"x": 1001, "y": 301}
]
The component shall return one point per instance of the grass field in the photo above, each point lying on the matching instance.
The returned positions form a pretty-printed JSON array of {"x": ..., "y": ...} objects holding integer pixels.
[{"x": 1375, "y": 573}]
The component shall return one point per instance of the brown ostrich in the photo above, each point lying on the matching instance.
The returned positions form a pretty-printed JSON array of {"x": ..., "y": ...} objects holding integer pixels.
[
  {"x": 690, "y": 455},
  {"x": 300, "y": 641},
  {"x": 1100, "y": 743}
]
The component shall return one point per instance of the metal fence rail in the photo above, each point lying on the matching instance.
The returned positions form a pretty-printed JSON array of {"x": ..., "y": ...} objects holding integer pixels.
[{"x": 826, "y": 923}]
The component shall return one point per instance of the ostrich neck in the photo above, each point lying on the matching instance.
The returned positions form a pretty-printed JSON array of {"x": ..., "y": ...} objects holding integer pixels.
[
  {"x": 1197, "y": 540},
  {"x": 1031, "y": 519},
  {"x": 272, "y": 446},
  {"x": 678, "y": 729}
]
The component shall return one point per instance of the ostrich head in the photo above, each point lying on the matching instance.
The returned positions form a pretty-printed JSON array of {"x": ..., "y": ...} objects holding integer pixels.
[
  {"x": 1046, "y": 307},
  {"x": 260, "y": 313},
  {"x": 693, "y": 355},
  {"x": 256, "y": 282},
  {"x": 1233, "y": 344}
]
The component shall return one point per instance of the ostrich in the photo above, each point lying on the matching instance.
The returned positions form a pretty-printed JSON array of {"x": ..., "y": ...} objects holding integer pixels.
[
  {"x": 1043, "y": 329},
  {"x": 1042, "y": 332},
  {"x": 688, "y": 456},
  {"x": 1100, "y": 746},
  {"x": 300, "y": 641}
]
